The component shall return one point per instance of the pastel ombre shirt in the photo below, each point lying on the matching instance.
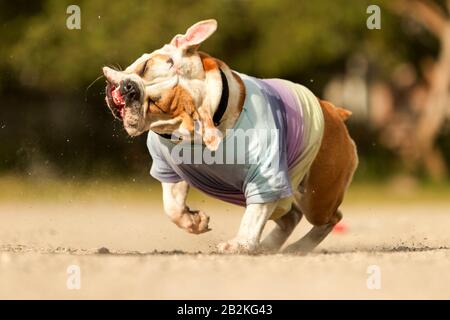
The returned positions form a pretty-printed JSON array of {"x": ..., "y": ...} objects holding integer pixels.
[{"x": 262, "y": 159}]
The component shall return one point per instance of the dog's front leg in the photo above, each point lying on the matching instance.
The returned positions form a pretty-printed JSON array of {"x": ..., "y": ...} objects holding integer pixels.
[
  {"x": 174, "y": 200},
  {"x": 250, "y": 230}
]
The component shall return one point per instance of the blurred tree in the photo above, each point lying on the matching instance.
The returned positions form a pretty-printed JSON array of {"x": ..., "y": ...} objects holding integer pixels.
[
  {"x": 421, "y": 132},
  {"x": 55, "y": 118},
  {"x": 47, "y": 68},
  {"x": 266, "y": 37}
]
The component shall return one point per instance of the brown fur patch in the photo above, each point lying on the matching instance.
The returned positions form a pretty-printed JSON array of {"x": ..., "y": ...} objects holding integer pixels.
[
  {"x": 331, "y": 170},
  {"x": 209, "y": 63},
  {"x": 178, "y": 103}
]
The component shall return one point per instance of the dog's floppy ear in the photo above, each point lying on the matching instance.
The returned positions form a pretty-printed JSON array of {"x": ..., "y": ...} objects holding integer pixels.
[
  {"x": 190, "y": 41},
  {"x": 195, "y": 35},
  {"x": 213, "y": 82}
]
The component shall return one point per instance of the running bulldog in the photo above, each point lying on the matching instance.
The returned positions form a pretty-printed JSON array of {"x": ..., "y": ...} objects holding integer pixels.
[{"x": 269, "y": 145}]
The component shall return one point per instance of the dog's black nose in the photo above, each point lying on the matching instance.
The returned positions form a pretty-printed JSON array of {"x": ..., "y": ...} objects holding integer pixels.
[{"x": 129, "y": 90}]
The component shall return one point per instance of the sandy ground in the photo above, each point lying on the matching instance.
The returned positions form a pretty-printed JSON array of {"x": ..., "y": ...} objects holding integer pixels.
[{"x": 133, "y": 251}]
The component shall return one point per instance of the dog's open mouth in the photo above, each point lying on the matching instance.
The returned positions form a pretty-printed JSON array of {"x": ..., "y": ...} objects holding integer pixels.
[{"x": 116, "y": 100}]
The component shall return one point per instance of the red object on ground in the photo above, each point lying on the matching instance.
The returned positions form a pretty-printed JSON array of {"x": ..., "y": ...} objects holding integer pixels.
[{"x": 340, "y": 228}]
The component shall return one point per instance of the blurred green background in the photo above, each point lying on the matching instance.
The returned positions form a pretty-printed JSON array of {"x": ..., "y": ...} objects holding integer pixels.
[{"x": 54, "y": 123}]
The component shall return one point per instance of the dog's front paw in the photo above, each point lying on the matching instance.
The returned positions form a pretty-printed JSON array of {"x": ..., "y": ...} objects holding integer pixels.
[
  {"x": 195, "y": 222},
  {"x": 236, "y": 246}
]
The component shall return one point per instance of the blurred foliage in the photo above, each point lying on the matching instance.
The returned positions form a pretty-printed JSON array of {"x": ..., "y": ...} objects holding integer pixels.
[
  {"x": 282, "y": 37},
  {"x": 53, "y": 121}
]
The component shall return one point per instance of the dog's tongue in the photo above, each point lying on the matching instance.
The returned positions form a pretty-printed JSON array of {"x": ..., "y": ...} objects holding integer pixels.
[{"x": 117, "y": 97}]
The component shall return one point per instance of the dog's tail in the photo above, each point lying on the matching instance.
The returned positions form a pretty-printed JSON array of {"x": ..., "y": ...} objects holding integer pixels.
[{"x": 343, "y": 113}]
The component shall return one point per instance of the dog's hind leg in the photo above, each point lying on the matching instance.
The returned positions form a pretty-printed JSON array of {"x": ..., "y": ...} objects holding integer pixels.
[
  {"x": 314, "y": 237},
  {"x": 327, "y": 181},
  {"x": 281, "y": 232}
]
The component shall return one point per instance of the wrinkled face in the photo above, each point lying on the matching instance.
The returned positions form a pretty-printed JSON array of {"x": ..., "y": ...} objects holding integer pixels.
[{"x": 160, "y": 90}]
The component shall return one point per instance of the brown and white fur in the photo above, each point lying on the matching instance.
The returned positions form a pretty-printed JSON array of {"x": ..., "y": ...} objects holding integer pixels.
[{"x": 172, "y": 88}]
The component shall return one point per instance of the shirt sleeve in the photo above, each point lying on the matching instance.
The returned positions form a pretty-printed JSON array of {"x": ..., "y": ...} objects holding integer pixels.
[{"x": 161, "y": 169}]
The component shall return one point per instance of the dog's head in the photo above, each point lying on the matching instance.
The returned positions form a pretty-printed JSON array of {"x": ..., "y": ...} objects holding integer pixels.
[{"x": 170, "y": 89}]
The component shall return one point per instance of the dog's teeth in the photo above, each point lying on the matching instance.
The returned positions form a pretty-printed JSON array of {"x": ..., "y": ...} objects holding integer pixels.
[{"x": 117, "y": 97}]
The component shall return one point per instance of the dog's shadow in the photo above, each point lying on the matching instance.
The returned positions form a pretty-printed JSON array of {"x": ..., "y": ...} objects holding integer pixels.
[
  {"x": 382, "y": 249},
  {"x": 318, "y": 252},
  {"x": 111, "y": 252}
]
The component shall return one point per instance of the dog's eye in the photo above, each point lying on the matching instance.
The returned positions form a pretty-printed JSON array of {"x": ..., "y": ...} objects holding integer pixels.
[
  {"x": 144, "y": 69},
  {"x": 170, "y": 61}
]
